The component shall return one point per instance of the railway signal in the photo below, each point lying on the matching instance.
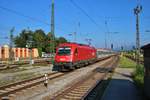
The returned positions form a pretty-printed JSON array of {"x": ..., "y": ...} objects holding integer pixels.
[{"x": 46, "y": 80}]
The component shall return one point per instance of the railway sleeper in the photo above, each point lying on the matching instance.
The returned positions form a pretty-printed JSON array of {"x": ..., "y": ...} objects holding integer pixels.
[
  {"x": 9, "y": 89},
  {"x": 19, "y": 86},
  {"x": 3, "y": 91},
  {"x": 84, "y": 86},
  {"x": 80, "y": 90},
  {"x": 73, "y": 94},
  {"x": 24, "y": 92},
  {"x": 72, "y": 97},
  {"x": 84, "y": 89},
  {"x": 76, "y": 92},
  {"x": 14, "y": 87},
  {"x": 25, "y": 84},
  {"x": 18, "y": 93}
]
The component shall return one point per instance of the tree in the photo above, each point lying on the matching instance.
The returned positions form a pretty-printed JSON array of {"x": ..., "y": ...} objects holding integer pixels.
[
  {"x": 60, "y": 40},
  {"x": 41, "y": 41},
  {"x": 49, "y": 45},
  {"x": 39, "y": 38},
  {"x": 21, "y": 40}
]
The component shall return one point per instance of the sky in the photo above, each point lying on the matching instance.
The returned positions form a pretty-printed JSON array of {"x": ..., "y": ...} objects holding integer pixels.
[{"x": 85, "y": 17}]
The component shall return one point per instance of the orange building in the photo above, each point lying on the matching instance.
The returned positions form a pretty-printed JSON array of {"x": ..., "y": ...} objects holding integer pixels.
[
  {"x": 17, "y": 52},
  {"x": 0, "y": 52}
]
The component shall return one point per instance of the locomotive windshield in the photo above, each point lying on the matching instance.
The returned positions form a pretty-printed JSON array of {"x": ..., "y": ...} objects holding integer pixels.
[{"x": 64, "y": 51}]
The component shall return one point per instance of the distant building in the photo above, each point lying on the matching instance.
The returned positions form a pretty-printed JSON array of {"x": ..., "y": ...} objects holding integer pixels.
[{"x": 17, "y": 52}]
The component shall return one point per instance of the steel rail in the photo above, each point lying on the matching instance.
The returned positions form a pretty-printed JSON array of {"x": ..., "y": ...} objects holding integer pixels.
[{"x": 83, "y": 87}]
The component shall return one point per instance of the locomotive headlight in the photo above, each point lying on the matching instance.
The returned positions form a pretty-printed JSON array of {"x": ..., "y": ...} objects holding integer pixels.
[
  {"x": 70, "y": 58},
  {"x": 93, "y": 54}
]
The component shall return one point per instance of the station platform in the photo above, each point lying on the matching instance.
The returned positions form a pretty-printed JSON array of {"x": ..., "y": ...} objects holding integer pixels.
[{"x": 121, "y": 87}]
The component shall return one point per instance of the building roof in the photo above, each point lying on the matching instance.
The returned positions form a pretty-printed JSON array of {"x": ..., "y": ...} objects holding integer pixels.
[{"x": 147, "y": 46}]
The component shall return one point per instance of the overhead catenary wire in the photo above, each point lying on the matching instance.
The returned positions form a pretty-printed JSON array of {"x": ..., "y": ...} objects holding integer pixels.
[
  {"x": 23, "y": 15},
  {"x": 85, "y": 13},
  {"x": 28, "y": 17}
]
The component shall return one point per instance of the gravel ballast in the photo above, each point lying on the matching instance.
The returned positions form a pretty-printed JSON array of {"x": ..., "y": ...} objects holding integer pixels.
[{"x": 57, "y": 85}]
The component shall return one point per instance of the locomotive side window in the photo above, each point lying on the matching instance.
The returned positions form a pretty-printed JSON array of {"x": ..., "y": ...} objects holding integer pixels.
[
  {"x": 64, "y": 51},
  {"x": 76, "y": 51}
]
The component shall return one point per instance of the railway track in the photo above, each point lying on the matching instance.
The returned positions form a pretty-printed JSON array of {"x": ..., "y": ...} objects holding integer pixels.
[
  {"x": 5, "y": 91},
  {"x": 134, "y": 59},
  {"x": 8, "y": 90},
  {"x": 81, "y": 89},
  {"x": 15, "y": 65}
]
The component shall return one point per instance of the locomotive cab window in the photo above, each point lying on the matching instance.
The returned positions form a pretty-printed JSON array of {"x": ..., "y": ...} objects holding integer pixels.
[{"x": 64, "y": 51}]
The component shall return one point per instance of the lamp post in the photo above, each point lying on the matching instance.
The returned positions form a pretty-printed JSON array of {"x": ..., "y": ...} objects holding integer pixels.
[
  {"x": 29, "y": 45},
  {"x": 11, "y": 53}
]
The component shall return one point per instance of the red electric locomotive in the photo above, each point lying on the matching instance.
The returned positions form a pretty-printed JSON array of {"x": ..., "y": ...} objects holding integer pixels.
[{"x": 72, "y": 55}]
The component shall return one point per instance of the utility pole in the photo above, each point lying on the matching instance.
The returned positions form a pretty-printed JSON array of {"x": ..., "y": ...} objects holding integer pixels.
[
  {"x": 53, "y": 28},
  {"x": 89, "y": 41},
  {"x": 11, "y": 54},
  {"x": 77, "y": 28},
  {"x": 106, "y": 34},
  {"x": 137, "y": 11},
  {"x": 112, "y": 46},
  {"x": 75, "y": 33},
  {"x": 30, "y": 48}
]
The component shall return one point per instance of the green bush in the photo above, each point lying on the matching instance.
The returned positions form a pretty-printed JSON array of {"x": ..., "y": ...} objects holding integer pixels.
[
  {"x": 126, "y": 63},
  {"x": 138, "y": 76}
]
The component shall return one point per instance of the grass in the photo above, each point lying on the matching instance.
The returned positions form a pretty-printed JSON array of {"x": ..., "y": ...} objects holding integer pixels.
[
  {"x": 138, "y": 76},
  {"x": 13, "y": 70},
  {"x": 40, "y": 64},
  {"x": 126, "y": 63},
  {"x": 24, "y": 67}
]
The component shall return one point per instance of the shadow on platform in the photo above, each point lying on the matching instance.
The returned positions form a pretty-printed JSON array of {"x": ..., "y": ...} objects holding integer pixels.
[
  {"x": 121, "y": 89},
  {"x": 125, "y": 75},
  {"x": 117, "y": 89}
]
